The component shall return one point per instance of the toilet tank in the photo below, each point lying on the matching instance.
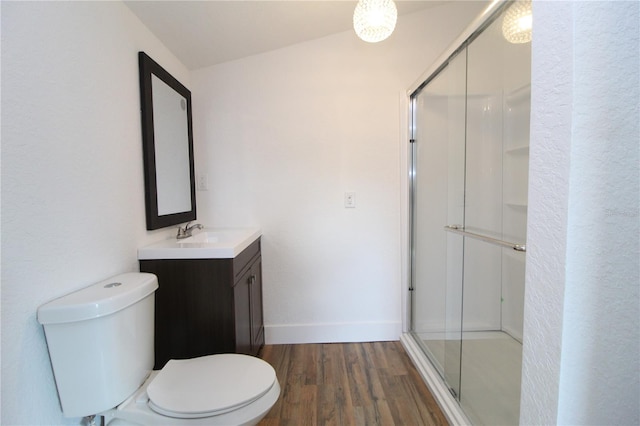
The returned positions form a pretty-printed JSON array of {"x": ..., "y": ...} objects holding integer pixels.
[{"x": 100, "y": 341}]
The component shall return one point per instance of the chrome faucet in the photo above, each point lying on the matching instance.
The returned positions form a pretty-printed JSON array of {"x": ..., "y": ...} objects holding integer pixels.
[{"x": 186, "y": 231}]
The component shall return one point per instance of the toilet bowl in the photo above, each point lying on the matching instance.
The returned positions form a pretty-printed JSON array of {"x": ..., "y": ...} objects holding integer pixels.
[
  {"x": 100, "y": 342},
  {"x": 182, "y": 393}
]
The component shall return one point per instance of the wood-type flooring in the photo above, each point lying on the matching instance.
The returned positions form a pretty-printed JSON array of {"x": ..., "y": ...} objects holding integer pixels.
[{"x": 348, "y": 384}]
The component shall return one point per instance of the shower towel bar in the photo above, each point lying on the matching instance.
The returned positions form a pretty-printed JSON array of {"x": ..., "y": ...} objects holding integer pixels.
[{"x": 459, "y": 229}]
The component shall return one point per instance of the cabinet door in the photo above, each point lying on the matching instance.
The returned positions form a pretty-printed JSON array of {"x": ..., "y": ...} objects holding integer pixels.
[
  {"x": 242, "y": 308},
  {"x": 193, "y": 308},
  {"x": 257, "y": 321}
]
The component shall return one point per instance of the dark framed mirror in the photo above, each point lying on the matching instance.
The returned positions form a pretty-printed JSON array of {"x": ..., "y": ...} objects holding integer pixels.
[{"x": 167, "y": 142}]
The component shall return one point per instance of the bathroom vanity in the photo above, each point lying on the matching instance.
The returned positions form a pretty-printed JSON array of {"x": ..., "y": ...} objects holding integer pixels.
[{"x": 209, "y": 298}]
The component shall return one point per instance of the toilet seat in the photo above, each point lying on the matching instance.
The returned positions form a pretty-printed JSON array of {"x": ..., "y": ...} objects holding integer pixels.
[{"x": 209, "y": 386}]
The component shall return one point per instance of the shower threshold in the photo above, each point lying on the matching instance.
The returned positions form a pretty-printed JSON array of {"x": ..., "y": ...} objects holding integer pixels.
[{"x": 490, "y": 370}]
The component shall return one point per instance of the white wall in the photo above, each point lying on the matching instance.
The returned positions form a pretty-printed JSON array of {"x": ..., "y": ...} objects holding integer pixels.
[
  {"x": 284, "y": 135},
  {"x": 581, "y": 336},
  {"x": 72, "y": 181}
]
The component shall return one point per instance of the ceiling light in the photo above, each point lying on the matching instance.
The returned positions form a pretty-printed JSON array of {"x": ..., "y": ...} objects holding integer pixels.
[
  {"x": 374, "y": 20},
  {"x": 517, "y": 23}
]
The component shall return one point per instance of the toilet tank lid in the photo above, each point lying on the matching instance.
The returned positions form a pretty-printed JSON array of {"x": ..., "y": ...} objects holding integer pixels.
[{"x": 100, "y": 299}]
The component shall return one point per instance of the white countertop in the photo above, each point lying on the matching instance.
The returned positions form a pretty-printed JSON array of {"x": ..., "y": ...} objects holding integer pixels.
[{"x": 209, "y": 243}]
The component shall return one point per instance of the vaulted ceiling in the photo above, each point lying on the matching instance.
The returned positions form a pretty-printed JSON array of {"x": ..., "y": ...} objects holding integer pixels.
[{"x": 204, "y": 33}]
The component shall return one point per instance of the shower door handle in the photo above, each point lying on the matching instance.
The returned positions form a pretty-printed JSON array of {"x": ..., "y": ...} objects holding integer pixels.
[{"x": 459, "y": 229}]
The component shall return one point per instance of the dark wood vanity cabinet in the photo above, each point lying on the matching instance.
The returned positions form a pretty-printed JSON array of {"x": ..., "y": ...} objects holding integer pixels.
[
  {"x": 208, "y": 306},
  {"x": 247, "y": 293}
]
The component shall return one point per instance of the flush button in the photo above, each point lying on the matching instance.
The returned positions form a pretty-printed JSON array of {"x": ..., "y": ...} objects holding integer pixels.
[{"x": 111, "y": 285}]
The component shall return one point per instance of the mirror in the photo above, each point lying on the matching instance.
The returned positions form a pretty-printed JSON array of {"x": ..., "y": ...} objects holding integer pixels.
[{"x": 167, "y": 141}]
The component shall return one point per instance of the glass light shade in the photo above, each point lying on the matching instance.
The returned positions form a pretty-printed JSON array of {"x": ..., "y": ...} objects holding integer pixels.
[
  {"x": 374, "y": 20},
  {"x": 517, "y": 23}
]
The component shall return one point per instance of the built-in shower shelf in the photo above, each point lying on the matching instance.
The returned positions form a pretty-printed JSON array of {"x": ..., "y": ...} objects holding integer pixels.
[
  {"x": 518, "y": 150},
  {"x": 516, "y": 205},
  {"x": 521, "y": 95}
]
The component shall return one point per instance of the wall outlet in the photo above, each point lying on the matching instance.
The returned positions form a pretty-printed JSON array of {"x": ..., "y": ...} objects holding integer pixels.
[
  {"x": 350, "y": 200},
  {"x": 202, "y": 182}
]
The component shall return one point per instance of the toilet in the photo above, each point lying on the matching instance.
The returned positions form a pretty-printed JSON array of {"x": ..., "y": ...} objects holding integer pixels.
[{"x": 100, "y": 342}]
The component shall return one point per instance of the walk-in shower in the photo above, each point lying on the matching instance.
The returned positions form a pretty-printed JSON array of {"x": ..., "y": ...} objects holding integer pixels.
[{"x": 468, "y": 178}]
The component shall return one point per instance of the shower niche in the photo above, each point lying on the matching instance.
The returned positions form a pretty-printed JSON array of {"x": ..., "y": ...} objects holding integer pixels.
[{"x": 469, "y": 178}]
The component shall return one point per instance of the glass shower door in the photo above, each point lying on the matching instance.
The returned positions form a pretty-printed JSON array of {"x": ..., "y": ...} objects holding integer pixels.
[
  {"x": 497, "y": 129},
  {"x": 438, "y": 135},
  {"x": 469, "y": 178}
]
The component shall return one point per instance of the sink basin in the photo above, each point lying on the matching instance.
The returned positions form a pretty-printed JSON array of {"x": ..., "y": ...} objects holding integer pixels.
[
  {"x": 209, "y": 237},
  {"x": 213, "y": 243}
]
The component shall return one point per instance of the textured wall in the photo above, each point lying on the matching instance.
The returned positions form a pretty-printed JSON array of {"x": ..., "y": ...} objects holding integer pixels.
[
  {"x": 72, "y": 182},
  {"x": 551, "y": 76},
  {"x": 283, "y": 135},
  {"x": 600, "y": 368},
  {"x": 580, "y": 359}
]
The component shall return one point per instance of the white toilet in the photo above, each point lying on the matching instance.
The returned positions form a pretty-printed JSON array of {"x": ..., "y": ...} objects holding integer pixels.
[{"x": 100, "y": 341}]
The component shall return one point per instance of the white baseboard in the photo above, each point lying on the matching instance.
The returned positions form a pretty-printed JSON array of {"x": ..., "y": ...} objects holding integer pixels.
[
  {"x": 449, "y": 406},
  {"x": 280, "y": 334}
]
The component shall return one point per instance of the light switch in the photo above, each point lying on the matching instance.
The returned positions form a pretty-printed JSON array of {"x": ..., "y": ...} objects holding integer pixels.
[
  {"x": 350, "y": 200},
  {"x": 203, "y": 182}
]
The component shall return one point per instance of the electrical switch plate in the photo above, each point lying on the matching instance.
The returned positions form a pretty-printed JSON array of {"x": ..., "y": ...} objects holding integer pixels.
[
  {"x": 350, "y": 200},
  {"x": 203, "y": 182}
]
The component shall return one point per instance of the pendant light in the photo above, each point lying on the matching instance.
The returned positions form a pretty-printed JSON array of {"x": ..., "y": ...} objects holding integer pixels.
[
  {"x": 374, "y": 20},
  {"x": 517, "y": 23}
]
